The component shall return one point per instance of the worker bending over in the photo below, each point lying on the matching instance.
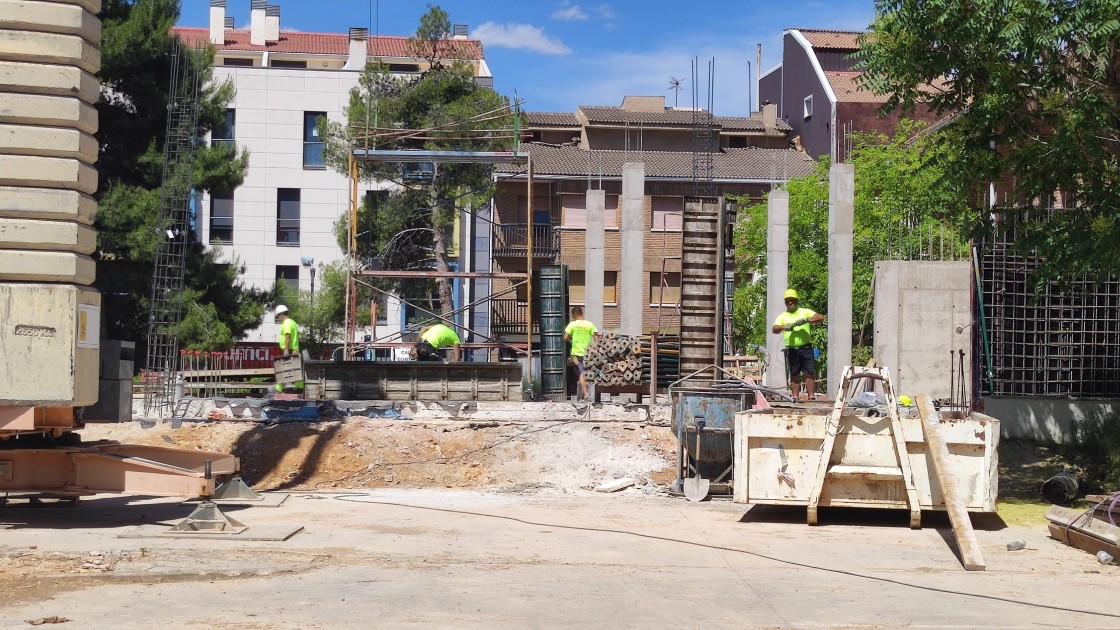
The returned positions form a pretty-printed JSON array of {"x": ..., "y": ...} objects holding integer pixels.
[
  {"x": 793, "y": 324},
  {"x": 433, "y": 339}
]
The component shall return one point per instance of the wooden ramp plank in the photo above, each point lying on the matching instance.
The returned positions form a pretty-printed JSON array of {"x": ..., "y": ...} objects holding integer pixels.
[{"x": 971, "y": 557}]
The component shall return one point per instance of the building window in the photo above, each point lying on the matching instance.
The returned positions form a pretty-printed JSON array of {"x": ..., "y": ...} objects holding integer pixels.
[
  {"x": 577, "y": 286},
  {"x": 404, "y": 68},
  {"x": 667, "y": 214},
  {"x": 574, "y": 212},
  {"x": 223, "y": 133},
  {"x": 287, "y": 63},
  {"x": 287, "y": 216},
  {"x": 665, "y": 289},
  {"x": 221, "y": 218},
  {"x": 289, "y": 274},
  {"x": 312, "y": 143},
  {"x": 236, "y": 61},
  {"x": 808, "y": 107}
]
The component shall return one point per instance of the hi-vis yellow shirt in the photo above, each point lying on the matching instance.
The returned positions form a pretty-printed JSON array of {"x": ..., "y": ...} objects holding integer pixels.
[{"x": 799, "y": 336}]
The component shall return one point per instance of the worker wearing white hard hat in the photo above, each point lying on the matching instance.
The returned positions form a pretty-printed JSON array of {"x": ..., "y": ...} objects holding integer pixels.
[{"x": 288, "y": 339}]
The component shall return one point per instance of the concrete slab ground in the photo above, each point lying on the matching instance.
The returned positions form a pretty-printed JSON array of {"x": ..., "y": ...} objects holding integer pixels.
[{"x": 442, "y": 558}]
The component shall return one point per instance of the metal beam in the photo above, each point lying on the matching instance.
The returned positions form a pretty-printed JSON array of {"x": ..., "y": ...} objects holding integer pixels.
[
  {"x": 454, "y": 157},
  {"x": 387, "y": 273}
]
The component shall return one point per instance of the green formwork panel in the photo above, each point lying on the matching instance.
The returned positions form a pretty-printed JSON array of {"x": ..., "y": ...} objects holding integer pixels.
[{"x": 553, "y": 319}]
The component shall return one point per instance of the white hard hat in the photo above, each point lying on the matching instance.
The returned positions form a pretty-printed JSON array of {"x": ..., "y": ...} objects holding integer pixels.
[{"x": 281, "y": 309}]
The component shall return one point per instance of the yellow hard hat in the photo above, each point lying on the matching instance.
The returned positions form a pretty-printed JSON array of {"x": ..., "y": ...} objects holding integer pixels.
[
  {"x": 904, "y": 400},
  {"x": 790, "y": 294}
]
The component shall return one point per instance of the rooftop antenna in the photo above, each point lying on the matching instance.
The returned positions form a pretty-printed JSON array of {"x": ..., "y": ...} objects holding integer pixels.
[{"x": 675, "y": 86}]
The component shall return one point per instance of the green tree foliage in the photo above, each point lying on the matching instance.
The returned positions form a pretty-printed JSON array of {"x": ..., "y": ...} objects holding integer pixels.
[
  {"x": 135, "y": 76},
  {"x": 1036, "y": 86},
  {"x": 441, "y": 109},
  {"x": 902, "y": 209}
]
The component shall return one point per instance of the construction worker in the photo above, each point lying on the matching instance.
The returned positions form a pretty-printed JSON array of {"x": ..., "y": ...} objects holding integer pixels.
[
  {"x": 579, "y": 333},
  {"x": 433, "y": 339},
  {"x": 288, "y": 339},
  {"x": 793, "y": 325}
]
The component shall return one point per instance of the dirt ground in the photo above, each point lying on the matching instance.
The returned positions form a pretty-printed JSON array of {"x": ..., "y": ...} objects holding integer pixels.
[
  {"x": 530, "y": 458},
  {"x": 361, "y": 452}
]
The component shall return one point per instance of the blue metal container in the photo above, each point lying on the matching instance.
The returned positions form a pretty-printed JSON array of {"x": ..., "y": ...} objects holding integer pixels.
[{"x": 713, "y": 410}]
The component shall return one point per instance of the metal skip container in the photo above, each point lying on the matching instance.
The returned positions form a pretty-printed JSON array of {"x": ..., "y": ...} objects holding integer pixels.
[{"x": 704, "y": 421}]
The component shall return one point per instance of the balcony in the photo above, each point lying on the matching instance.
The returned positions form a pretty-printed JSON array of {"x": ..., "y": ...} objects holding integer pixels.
[
  {"x": 511, "y": 241},
  {"x": 508, "y": 317}
]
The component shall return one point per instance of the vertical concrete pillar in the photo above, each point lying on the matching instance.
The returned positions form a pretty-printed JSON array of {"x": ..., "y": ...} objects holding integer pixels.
[
  {"x": 594, "y": 265},
  {"x": 777, "y": 281},
  {"x": 841, "y": 211},
  {"x": 632, "y": 231}
]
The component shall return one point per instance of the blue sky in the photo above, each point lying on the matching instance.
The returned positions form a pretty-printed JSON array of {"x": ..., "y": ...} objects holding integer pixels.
[{"x": 559, "y": 54}]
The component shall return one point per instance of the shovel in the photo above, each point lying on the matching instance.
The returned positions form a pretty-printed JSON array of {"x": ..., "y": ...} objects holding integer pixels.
[{"x": 696, "y": 488}]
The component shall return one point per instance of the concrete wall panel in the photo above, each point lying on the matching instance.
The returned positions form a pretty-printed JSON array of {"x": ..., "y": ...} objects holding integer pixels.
[
  {"x": 69, "y": 50},
  {"x": 49, "y": 334},
  {"x": 50, "y": 111},
  {"x": 48, "y": 142},
  {"x": 47, "y": 203},
  {"x": 50, "y": 17},
  {"x": 37, "y": 234},
  {"x": 39, "y": 266},
  {"x": 23, "y": 170},
  {"x": 37, "y": 78}
]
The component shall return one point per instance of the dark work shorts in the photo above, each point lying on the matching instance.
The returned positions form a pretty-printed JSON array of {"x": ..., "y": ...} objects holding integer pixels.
[
  {"x": 427, "y": 352},
  {"x": 801, "y": 360}
]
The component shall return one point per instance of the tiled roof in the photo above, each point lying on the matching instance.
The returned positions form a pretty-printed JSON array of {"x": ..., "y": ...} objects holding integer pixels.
[
  {"x": 321, "y": 43},
  {"x": 847, "y": 88},
  {"x": 670, "y": 118},
  {"x": 733, "y": 164},
  {"x": 552, "y": 119},
  {"x": 832, "y": 40}
]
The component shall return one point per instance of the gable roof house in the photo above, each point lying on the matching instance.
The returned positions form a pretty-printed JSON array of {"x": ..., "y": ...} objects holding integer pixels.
[{"x": 816, "y": 88}]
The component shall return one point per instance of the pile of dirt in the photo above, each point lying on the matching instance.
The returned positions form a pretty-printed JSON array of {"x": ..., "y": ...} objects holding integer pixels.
[{"x": 360, "y": 452}]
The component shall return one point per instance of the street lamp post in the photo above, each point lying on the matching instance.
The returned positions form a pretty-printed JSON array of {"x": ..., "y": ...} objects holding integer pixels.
[{"x": 309, "y": 262}]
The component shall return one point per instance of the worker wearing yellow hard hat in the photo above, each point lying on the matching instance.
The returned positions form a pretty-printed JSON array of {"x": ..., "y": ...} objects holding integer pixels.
[{"x": 793, "y": 324}]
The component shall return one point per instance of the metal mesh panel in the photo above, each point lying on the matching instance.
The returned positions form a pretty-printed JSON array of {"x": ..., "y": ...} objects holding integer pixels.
[
  {"x": 172, "y": 233},
  {"x": 1054, "y": 342}
]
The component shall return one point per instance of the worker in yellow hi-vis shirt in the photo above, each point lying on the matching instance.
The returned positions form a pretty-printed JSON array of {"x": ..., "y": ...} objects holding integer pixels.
[
  {"x": 580, "y": 332},
  {"x": 793, "y": 325},
  {"x": 288, "y": 339}
]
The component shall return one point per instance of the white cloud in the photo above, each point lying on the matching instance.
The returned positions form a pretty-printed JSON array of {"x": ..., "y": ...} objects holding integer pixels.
[
  {"x": 519, "y": 36},
  {"x": 569, "y": 13},
  {"x": 605, "y": 11}
]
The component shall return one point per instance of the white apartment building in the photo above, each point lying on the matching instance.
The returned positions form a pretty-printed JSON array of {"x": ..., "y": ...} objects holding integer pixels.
[{"x": 281, "y": 218}]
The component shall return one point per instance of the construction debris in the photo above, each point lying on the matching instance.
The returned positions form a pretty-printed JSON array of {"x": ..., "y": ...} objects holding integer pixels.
[{"x": 1093, "y": 530}]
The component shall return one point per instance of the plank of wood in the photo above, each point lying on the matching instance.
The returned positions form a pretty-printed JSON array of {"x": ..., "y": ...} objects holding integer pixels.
[
  {"x": 1082, "y": 541},
  {"x": 971, "y": 557},
  {"x": 1094, "y": 526}
]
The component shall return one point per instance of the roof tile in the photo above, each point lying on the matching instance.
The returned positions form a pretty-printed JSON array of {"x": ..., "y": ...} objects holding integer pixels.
[
  {"x": 603, "y": 115},
  {"x": 832, "y": 40},
  {"x": 320, "y": 43}
]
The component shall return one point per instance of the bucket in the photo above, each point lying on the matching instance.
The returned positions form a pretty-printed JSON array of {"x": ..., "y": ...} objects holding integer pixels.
[{"x": 1061, "y": 489}]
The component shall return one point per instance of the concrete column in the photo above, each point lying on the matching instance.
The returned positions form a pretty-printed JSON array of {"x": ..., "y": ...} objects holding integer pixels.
[
  {"x": 593, "y": 265},
  {"x": 841, "y": 211},
  {"x": 777, "y": 281},
  {"x": 632, "y": 231}
]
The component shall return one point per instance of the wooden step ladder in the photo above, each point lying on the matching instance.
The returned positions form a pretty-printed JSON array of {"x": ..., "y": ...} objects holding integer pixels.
[{"x": 901, "y": 471}]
